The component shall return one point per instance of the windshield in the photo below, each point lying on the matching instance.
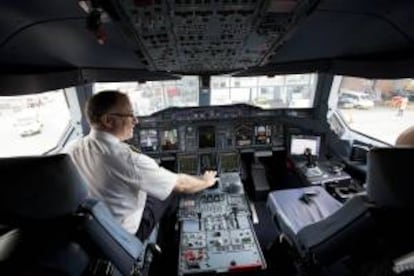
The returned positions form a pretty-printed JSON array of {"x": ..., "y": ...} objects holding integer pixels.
[
  {"x": 284, "y": 91},
  {"x": 287, "y": 91},
  {"x": 152, "y": 96}
]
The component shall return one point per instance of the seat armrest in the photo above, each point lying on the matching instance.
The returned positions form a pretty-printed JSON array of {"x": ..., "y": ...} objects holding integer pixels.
[
  {"x": 110, "y": 239},
  {"x": 343, "y": 192},
  {"x": 356, "y": 169}
]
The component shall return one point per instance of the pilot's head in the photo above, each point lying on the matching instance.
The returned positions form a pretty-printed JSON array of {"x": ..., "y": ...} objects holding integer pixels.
[
  {"x": 111, "y": 111},
  {"x": 406, "y": 138}
]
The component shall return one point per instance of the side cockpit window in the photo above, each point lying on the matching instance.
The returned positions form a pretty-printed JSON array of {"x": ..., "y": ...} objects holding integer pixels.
[
  {"x": 32, "y": 124},
  {"x": 377, "y": 108}
]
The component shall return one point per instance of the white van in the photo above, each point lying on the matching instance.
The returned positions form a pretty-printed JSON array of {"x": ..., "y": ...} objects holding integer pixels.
[{"x": 353, "y": 99}]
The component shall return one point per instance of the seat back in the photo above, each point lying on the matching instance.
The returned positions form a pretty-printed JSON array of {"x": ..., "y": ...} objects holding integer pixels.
[
  {"x": 38, "y": 188},
  {"x": 390, "y": 187},
  {"x": 38, "y": 198},
  {"x": 390, "y": 177}
]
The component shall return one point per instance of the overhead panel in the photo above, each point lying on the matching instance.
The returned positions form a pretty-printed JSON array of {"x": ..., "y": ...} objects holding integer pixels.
[{"x": 208, "y": 36}]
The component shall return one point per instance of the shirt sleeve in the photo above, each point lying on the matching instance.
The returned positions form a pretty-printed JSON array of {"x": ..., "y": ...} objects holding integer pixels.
[{"x": 153, "y": 179}]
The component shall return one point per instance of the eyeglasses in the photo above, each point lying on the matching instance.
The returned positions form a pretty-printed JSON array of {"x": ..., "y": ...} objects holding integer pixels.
[{"x": 130, "y": 115}]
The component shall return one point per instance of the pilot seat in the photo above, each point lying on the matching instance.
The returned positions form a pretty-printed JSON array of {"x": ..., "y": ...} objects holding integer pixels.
[
  {"x": 320, "y": 230},
  {"x": 49, "y": 225}
]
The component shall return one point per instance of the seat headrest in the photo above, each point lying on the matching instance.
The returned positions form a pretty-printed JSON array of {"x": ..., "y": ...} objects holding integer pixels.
[
  {"x": 40, "y": 187},
  {"x": 390, "y": 176}
]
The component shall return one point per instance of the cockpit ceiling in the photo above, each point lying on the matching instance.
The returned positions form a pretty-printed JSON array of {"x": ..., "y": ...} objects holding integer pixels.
[{"x": 206, "y": 37}]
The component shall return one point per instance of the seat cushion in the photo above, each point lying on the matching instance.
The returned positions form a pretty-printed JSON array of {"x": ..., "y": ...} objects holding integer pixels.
[
  {"x": 349, "y": 228},
  {"x": 296, "y": 213}
]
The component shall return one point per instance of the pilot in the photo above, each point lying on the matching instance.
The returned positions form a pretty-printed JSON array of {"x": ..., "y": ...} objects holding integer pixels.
[
  {"x": 406, "y": 138},
  {"x": 136, "y": 189}
]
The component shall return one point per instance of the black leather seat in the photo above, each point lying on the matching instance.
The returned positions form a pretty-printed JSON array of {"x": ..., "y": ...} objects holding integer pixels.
[
  {"x": 51, "y": 227},
  {"x": 361, "y": 222}
]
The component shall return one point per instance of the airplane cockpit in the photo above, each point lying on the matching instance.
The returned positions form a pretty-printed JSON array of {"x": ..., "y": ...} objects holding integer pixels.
[{"x": 297, "y": 105}]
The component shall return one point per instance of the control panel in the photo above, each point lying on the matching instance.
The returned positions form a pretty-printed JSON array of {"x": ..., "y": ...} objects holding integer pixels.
[
  {"x": 209, "y": 129},
  {"x": 324, "y": 173},
  {"x": 216, "y": 231}
]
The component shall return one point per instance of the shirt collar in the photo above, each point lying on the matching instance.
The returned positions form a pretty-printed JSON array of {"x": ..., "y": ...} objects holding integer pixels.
[{"x": 103, "y": 135}]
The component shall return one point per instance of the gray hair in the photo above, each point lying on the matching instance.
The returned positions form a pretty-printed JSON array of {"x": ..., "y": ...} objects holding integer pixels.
[{"x": 100, "y": 103}]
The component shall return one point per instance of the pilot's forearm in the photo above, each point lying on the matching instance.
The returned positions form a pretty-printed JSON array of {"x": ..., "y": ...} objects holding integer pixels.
[{"x": 189, "y": 184}]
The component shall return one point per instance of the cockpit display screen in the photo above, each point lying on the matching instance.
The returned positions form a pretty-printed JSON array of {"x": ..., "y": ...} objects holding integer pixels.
[
  {"x": 243, "y": 135},
  {"x": 206, "y": 137},
  {"x": 188, "y": 164},
  {"x": 229, "y": 162},
  {"x": 262, "y": 134},
  {"x": 299, "y": 143},
  {"x": 169, "y": 139},
  {"x": 208, "y": 162},
  {"x": 148, "y": 140}
]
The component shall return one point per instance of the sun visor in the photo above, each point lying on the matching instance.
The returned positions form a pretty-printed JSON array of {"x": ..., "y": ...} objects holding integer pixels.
[{"x": 21, "y": 84}]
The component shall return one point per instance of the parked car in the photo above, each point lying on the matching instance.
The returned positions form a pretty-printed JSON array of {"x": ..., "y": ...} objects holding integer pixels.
[
  {"x": 351, "y": 99},
  {"x": 28, "y": 124}
]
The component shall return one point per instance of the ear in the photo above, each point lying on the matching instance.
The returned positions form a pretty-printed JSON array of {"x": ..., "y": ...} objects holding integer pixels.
[{"x": 107, "y": 121}]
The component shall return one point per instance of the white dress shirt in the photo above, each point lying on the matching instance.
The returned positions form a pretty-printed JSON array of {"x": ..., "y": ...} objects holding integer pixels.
[{"x": 119, "y": 176}]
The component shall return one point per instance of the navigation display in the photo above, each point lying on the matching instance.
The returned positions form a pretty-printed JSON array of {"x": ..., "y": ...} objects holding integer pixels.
[
  {"x": 188, "y": 164},
  {"x": 225, "y": 137},
  {"x": 298, "y": 144},
  {"x": 229, "y": 162},
  {"x": 190, "y": 139},
  {"x": 148, "y": 140},
  {"x": 208, "y": 162},
  {"x": 169, "y": 139},
  {"x": 206, "y": 137},
  {"x": 243, "y": 135},
  {"x": 262, "y": 134}
]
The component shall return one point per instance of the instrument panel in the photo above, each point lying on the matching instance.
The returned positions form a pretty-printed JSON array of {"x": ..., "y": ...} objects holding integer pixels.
[{"x": 209, "y": 129}]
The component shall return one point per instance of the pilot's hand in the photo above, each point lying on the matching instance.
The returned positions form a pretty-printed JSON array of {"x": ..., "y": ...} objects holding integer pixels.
[{"x": 210, "y": 177}]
